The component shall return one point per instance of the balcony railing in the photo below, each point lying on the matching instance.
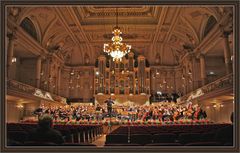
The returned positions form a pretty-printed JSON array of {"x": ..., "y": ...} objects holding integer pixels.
[
  {"x": 21, "y": 87},
  {"x": 226, "y": 81}
]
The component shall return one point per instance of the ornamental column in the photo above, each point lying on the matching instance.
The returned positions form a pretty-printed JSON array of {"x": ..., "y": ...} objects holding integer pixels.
[
  {"x": 38, "y": 71},
  {"x": 203, "y": 69},
  {"x": 10, "y": 51},
  {"x": 227, "y": 53}
]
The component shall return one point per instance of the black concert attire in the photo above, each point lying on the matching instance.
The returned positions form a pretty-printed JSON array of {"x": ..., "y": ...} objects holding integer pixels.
[{"x": 109, "y": 106}]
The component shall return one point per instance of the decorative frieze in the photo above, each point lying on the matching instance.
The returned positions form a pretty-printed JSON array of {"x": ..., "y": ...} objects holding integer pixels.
[
  {"x": 21, "y": 87},
  {"x": 224, "y": 82}
]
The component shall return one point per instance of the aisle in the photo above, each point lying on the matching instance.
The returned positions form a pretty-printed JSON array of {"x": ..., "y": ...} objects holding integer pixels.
[{"x": 100, "y": 142}]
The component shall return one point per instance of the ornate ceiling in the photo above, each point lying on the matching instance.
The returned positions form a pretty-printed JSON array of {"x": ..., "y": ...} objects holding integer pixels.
[{"x": 158, "y": 32}]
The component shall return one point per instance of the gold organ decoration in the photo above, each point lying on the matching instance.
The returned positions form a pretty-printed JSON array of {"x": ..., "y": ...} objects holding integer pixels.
[{"x": 127, "y": 77}]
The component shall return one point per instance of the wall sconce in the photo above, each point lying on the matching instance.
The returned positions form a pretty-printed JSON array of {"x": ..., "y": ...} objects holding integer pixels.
[
  {"x": 20, "y": 106},
  {"x": 183, "y": 77},
  {"x": 211, "y": 73},
  {"x": 215, "y": 106},
  {"x": 207, "y": 107},
  {"x": 72, "y": 72},
  {"x": 221, "y": 105},
  {"x": 14, "y": 60}
]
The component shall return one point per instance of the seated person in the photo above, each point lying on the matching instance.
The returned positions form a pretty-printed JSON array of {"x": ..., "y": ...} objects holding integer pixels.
[{"x": 45, "y": 133}]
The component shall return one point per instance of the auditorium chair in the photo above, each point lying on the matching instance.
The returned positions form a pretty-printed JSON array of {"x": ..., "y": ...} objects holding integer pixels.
[
  {"x": 189, "y": 137},
  {"x": 66, "y": 134},
  {"x": 141, "y": 138},
  {"x": 35, "y": 143},
  {"x": 164, "y": 138},
  {"x": 116, "y": 139},
  {"x": 225, "y": 134},
  {"x": 19, "y": 136},
  {"x": 208, "y": 136},
  {"x": 14, "y": 127}
]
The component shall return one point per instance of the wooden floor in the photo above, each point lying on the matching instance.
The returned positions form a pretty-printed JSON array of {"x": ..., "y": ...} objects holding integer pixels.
[{"x": 100, "y": 142}]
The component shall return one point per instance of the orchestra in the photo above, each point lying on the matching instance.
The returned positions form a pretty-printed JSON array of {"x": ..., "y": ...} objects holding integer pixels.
[{"x": 162, "y": 112}]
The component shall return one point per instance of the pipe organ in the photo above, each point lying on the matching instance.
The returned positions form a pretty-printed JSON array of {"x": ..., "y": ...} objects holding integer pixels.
[{"x": 131, "y": 76}]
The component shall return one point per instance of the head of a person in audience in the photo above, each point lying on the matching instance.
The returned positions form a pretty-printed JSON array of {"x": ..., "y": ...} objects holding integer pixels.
[{"x": 45, "y": 121}]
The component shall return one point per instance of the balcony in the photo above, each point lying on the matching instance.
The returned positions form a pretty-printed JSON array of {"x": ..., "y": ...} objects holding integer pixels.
[
  {"x": 223, "y": 83},
  {"x": 15, "y": 86}
]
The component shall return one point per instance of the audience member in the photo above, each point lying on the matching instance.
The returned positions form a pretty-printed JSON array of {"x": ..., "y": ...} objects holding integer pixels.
[{"x": 45, "y": 132}]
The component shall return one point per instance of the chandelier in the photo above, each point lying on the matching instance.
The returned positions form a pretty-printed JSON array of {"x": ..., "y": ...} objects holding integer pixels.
[{"x": 116, "y": 49}]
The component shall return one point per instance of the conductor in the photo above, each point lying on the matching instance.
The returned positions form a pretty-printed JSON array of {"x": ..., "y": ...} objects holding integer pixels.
[{"x": 109, "y": 102}]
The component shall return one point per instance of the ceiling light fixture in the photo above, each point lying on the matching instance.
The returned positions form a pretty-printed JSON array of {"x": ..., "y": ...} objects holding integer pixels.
[{"x": 117, "y": 50}]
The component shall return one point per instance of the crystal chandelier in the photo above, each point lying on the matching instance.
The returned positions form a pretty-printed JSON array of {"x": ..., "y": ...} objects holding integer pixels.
[{"x": 117, "y": 50}]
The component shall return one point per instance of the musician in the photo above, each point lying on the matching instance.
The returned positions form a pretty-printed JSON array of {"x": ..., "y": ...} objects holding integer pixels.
[
  {"x": 98, "y": 112},
  {"x": 155, "y": 113},
  {"x": 109, "y": 105}
]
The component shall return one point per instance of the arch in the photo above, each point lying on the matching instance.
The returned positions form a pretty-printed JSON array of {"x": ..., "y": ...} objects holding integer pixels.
[
  {"x": 211, "y": 22},
  {"x": 45, "y": 33},
  {"x": 196, "y": 38},
  {"x": 30, "y": 28},
  {"x": 213, "y": 12}
]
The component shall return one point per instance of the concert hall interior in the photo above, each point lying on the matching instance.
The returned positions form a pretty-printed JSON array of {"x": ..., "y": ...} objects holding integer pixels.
[{"x": 119, "y": 75}]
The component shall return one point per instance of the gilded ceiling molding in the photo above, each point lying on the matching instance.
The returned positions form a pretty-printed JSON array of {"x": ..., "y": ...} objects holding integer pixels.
[
  {"x": 25, "y": 38},
  {"x": 64, "y": 23},
  {"x": 26, "y": 12},
  {"x": 212, "y": 11},
  {"x": 196, "y": 37},
  {"x": 30, "y": 43},
  {"x": 93, "y": 12},
  {"x": 137, "y": 9},
  {"x": 203, "y": 26},
  {"x": 213, "y": 37},
  {"x": 77, "y": 22},
  {"x": 46, "y": 32},
  {"x": 173, "y": 24}
]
